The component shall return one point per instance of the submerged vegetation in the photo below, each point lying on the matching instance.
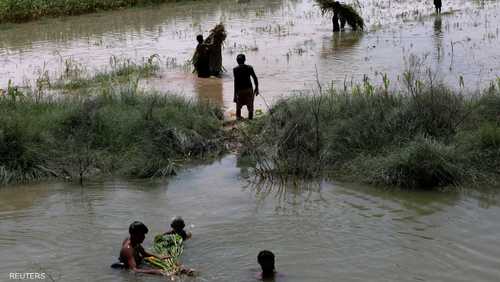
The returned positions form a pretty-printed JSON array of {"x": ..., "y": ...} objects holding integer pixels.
[
  {"x": 424, "y": 135},
  {"x": 27, "y": 10},
  {"x": 113, "y": 128}
]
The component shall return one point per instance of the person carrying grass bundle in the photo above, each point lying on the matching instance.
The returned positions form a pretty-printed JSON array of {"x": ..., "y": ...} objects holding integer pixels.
[
  {"x": 200, "y": 58},
  {"x": 207, "y": 58},
  {"x": 132, "y": 254},
  {"x": 343, "y": 13},
  {"x": 244, "y": 93}
]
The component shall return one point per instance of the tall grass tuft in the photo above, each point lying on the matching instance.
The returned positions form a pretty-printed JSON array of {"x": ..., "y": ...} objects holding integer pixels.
[
  {"x": 422, "y": 136},
  {"x": 126, "y": 132}
]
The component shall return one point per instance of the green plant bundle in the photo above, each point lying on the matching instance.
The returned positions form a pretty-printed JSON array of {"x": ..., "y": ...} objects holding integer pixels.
[
  {"x": 347, "y": 12},
  {"x": 171, "y": 246}
]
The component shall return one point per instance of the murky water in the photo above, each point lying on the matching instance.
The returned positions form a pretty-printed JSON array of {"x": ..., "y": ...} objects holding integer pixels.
[
  {"x": 324, "y": 232},
  {"x": 287, "y": 41}
]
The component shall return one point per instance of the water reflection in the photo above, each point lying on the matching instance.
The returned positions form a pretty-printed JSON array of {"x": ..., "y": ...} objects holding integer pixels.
[
  {"x": 438, "y": 38},
  {"x": 341, "y": 43},
  {"x": 209, "y": 90}
]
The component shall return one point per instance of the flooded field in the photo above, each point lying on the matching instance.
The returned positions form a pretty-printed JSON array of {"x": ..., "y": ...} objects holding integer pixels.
[
  {"x": 327, "y": 232},
  {"x": 288, "y": 42},
  {"x": 319, "y": 232}
]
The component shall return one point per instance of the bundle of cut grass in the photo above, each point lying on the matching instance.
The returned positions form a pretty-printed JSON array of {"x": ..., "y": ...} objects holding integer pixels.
[
  {"x": 167, "y": 245},
  {"x": 211, "y": 54},
  {"x": 343, "y": 11},
  {"x": 215, "y": 41}
]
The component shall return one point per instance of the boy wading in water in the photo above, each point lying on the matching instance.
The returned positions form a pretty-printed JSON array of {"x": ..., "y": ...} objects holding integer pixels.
[
  {"x": 177, "y": 226},
  {"x": 266, "y": 261},
  {"x": 132, "y": 253},
  {"x": 244, "y": 93},
  {"x": 438, "y": 4}
]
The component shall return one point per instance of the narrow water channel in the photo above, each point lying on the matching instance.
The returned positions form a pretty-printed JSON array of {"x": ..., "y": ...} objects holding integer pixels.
[{"x": 324, "y": 232}]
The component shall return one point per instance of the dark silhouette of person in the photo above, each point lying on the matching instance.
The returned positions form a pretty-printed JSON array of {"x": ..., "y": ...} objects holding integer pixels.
[
  {"x": 201, "y": 60},
  {"x": 265, "y": 259},
  {"x": 243, "y": 90},
  {"x": 438, "y": 4},
  {"x": 335, "y": 21},
  {"x": 336, "y": 18},
  {"x": 177, "y": 226}
]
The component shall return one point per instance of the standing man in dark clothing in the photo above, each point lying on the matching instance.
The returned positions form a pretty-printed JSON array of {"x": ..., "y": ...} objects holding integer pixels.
[
  {"x": 243, "y": 91},
  {"x": 201, "y": 60},
  {"x": 438, "y": 4}
]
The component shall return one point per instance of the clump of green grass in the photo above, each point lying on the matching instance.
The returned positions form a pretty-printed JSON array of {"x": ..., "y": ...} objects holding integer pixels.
[
  {"x": 121, "y": 70},
  {"x": 425, "y": 135},
  {"x": 124, "y": 131},
  {"x": 421, "y": 163},
  {"x": 27, "y": 10}
]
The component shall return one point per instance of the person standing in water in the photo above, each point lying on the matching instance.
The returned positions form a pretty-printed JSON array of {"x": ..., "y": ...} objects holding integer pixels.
[
  {"x": 244, "y": 93},
  {"x": 438, "y": 4},
  {"x": 201, "y": 58}
]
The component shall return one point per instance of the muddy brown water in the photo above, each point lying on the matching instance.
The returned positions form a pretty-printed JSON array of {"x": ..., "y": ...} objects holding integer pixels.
[
  {"x": 287, "y": 41},
  {"x": 327, "y": 232},
  {"x": 320, "y": 232}
]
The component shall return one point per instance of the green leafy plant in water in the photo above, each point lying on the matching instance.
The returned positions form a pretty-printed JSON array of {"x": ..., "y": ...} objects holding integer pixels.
[
  {"x": 387, "y": 82},
  {"x": 171, "y": 246}
]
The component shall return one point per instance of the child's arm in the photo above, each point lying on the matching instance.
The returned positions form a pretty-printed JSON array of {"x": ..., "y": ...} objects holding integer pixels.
[{"x": 129, "y": 257}]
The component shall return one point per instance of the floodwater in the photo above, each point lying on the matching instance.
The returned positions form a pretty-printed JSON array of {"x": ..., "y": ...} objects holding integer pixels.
[
  {"x": 288, "y": 42},
  {"x": 320, "y": 232}
]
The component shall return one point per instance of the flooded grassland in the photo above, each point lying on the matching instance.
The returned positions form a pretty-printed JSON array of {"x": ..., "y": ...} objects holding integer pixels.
[{"x": 319, "y": 231}]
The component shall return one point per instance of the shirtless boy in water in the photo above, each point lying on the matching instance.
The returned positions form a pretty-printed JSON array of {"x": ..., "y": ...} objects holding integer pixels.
[{"x": 132, "y": 253}]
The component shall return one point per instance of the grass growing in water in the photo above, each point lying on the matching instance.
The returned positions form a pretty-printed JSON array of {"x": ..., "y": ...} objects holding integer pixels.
[
  {"x": 423, "y": 136},
  {"x": 27, "y": 10},
  {"x": 117, "y": 130}
]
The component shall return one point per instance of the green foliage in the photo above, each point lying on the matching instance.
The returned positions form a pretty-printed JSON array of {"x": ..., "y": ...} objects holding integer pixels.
[
  {"x": 126, "y": 132},
  {"x": 422, "y": 163},
  {"x": 171, "y": 246},
  {"x": 26, "y": 10},
  {"x": 408, "y": 139}
]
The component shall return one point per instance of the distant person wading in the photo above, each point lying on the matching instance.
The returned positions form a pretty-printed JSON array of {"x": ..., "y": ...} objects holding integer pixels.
[
  {"x": 438, "y": 5},
  {"x": 243, "y": 91}
]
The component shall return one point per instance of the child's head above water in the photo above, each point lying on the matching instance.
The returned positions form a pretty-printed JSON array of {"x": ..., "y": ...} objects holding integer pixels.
[
  {"x": 266, "y": 261},
  {"x": 137, "y": 231},
  {"x": 177, "y": 223}
]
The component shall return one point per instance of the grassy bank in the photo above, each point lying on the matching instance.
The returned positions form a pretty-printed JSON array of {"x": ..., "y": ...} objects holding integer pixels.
[
  {"x": 27, "y": 10},
  {"x": 117, "y": 130},
  {"x": 424, "y": 135}
]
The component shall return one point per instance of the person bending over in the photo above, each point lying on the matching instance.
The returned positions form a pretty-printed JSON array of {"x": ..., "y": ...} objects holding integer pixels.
[{"x": 132, "y": 253}]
